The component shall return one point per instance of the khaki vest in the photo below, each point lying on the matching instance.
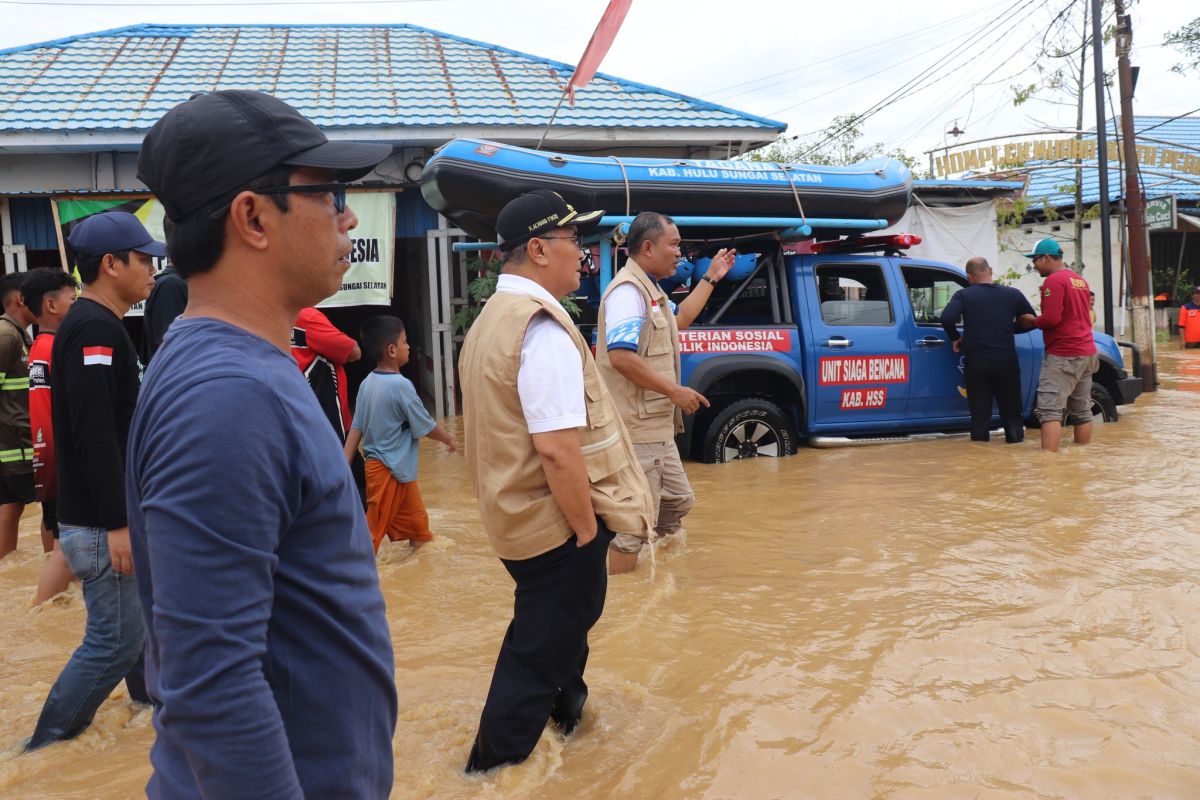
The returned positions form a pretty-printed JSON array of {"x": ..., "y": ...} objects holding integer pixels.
[
  {"x": 519, "y": 513},
  {"x": 650, "y": 416}
]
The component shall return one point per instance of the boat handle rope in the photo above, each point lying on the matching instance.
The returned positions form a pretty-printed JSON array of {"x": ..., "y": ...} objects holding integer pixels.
[
  {"x": 625, "y": 178},
  {"x": 795, "y": 192}
]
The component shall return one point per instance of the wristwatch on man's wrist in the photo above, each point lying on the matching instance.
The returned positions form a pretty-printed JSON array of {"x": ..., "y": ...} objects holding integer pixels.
[{"x": 710, "y": 281}]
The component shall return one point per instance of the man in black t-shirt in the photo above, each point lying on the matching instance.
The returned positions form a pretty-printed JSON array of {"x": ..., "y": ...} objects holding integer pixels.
[
  {"x": 991, "y": 314},
  {"x": 94, "y": 387}
]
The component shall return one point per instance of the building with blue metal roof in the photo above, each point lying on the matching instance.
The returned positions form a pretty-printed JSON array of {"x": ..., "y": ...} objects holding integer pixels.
[{"x": 73, "y": 113}]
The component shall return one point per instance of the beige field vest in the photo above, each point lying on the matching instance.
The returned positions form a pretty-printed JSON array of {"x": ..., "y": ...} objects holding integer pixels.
[
  {"x": 519, "y": 513},
  {"x": 650, "y": 416}
]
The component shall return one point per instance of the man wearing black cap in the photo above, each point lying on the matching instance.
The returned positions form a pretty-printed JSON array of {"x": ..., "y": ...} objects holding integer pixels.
[
  {"x": 16, "y": 447},
  {"x": 268, "y": 656},
  {"x": 93, "y": 390},
  {"x": 554, "y": 472}
]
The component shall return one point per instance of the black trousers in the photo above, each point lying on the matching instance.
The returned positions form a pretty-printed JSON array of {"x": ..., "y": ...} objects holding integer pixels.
[
  {"x": 997, "y": 380},
  {"x": 539, "y": 673}
]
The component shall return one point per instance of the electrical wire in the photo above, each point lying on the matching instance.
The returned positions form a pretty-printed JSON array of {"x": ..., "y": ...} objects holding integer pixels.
[{"x": 926, "y": 76}]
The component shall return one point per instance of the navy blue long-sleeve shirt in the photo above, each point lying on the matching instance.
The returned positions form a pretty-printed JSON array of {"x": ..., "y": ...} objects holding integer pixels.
[
  {"x": 989, "y": 314},
  {"x": 268, "y": 655}
]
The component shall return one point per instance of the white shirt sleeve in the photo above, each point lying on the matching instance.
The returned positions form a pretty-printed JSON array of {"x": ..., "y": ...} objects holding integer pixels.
[
  {"x": 624, "y": 312},
  {"x": 550, "y": 378}
]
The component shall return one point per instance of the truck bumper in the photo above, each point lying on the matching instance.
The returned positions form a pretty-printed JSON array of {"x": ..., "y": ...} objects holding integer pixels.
[{"x": 1128, "y": 390}]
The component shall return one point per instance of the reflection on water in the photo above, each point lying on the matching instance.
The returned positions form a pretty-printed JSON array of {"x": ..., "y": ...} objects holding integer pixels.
[{"x": 934, "y": 620}]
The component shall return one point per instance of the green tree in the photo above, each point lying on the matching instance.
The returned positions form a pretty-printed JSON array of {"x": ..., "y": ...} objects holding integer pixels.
[
  {"x": 483, "y": 286},
  {"x": 1187, "y": 41},
  {"x": 839, "y": 144}
]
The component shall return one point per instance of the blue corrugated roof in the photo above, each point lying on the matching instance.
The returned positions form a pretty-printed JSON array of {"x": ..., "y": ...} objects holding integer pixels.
[
  {"x": 1053, "y": 182},
  {"x": 337, "y": 75}
]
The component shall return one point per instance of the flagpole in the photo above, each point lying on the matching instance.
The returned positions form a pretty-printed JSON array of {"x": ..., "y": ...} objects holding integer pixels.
[{"x": 553, "y": 116}]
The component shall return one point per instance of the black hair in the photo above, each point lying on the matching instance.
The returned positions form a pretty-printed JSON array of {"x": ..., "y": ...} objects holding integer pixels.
[
  {"x": 10, "y": 283},
  {"x": 646, "y": 225},
  {"x": 377, "y": 333},
  {"x": 41, "y": 282},
  {"x": 195, "y": 243},
  {"x": 89, "y": 266}
]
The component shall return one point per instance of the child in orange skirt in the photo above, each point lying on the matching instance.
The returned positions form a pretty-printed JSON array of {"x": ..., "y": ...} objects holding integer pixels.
[{"x": 389, "y": 421}]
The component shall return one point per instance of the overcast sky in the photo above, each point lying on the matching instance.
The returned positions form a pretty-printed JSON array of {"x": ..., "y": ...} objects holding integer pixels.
[{"x": 799, "y": 62}]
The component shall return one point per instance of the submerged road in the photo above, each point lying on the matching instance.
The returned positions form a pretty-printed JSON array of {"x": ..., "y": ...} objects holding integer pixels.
[{"x": 928, "y": 620}]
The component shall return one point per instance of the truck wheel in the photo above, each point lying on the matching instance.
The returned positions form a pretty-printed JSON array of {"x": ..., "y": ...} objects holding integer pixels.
[
  {"x": 1103, "y": 404},
  {"x": 748, "y": 429}
]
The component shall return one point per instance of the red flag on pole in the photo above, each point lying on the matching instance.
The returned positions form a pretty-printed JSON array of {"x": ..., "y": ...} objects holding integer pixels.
[{"x": 597, "y": 48}]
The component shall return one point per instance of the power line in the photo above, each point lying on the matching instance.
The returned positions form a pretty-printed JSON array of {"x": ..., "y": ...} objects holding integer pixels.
[
  {"x": 914, "y": 84},
  {"x": 888, "y": 43}
]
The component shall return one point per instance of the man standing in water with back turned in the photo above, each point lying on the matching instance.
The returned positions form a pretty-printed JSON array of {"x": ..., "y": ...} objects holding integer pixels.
[
  {"x": 638, "y": 355},
  {"x": 554, "y": 472},
  {"x": 990, "y": 314},
  {"x": 268, "y": 655}
]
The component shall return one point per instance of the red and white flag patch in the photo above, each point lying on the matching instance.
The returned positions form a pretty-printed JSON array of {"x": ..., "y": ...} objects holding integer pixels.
[{"x": 97, "y": 355}]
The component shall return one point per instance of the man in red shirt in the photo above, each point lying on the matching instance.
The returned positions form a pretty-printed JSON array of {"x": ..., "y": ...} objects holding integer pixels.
[
  {"x": 48, "y": 294},
  {"x": 1070, "y": 358},
  {"x": 322, "y": 352},
  {"x": 1189, "y": 322}
]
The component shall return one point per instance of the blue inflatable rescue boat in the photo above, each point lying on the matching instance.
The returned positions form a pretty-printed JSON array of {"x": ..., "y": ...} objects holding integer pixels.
[{"x": 470, "y": 180}]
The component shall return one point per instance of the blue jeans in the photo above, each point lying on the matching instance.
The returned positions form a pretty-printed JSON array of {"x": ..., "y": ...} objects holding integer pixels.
[{"x": 112, "y": 641}]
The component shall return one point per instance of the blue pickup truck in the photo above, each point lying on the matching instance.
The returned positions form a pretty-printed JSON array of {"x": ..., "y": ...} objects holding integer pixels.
[{"x": 836, "y": 343}]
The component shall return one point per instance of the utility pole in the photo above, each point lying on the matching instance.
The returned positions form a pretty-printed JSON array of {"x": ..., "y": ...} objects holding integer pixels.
[
  {"x": 1135, "y": 205},
  {"x": 1102, "y": 162}
]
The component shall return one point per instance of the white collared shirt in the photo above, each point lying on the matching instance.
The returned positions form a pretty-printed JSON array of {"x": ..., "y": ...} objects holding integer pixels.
[{"x": 550, "y": 379}]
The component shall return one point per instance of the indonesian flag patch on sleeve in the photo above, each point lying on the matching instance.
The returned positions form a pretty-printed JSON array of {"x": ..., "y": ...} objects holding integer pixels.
[{"x": 97, "y": 355}]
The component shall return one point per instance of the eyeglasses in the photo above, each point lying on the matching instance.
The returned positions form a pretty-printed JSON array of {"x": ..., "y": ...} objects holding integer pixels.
[
  {"x": 338, "y": 190},
  {"x": 577, "y": 239}
]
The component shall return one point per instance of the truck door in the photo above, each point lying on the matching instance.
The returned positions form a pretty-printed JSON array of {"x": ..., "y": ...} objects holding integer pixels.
[
  {"x": 858, "y": 375},
  {"x": 938, "y": 394}
]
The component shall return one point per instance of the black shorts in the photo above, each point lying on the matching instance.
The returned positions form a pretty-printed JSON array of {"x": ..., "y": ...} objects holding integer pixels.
[
  {"x": 50, "y": 516},
  {"x": 16, "y": 489}
]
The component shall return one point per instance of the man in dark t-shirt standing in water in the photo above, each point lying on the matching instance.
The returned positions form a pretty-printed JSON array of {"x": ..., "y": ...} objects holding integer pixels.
[
  {"x": 1070, "y": 360},
  {"x": 268, "y": 655},
  {"x": 990, "y": 314},
  {"x": 93, "y": 390}
]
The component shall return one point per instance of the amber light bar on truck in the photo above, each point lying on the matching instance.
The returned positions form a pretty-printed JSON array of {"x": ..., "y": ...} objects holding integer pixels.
[{"x": 855, "y": 244}]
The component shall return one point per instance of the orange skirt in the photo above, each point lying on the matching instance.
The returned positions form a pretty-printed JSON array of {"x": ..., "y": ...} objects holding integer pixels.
[{"x": 394, "y": 509}]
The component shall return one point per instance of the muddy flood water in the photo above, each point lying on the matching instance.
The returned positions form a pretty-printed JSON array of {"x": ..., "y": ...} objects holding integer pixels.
[{"x": 926, "y": 620}]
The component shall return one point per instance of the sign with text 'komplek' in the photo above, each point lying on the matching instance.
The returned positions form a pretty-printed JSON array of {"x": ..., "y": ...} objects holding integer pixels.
[{"x": 368, "y": 282}]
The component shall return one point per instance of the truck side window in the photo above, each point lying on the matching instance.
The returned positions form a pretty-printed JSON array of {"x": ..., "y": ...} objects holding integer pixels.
[
  {"x": 929, "y": 290},
  {"x": 853, "y": 294}
]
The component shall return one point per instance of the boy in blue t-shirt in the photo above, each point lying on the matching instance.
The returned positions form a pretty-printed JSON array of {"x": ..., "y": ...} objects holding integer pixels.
[{"x": 389, "y": 421}]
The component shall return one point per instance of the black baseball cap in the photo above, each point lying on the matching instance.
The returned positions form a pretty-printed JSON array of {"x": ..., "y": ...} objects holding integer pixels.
[
  {"x": 538, "y": 212},
  {"x": 215, "y": 143},
  {"x": 113, "y": 232}
]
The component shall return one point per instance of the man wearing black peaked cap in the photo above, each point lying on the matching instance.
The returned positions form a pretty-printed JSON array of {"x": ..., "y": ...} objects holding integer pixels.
[
  {"x": 268, "y": 656},
  {"x": 554, "y": 472}
]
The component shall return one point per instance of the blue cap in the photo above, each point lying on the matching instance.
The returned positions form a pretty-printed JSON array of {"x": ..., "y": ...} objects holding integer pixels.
[
  {"x": 1046, "y": 247},
  {"x": 113, "y": 232}
]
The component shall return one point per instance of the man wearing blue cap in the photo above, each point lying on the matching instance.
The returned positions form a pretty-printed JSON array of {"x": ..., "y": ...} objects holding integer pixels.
[
  {"x": 94, "y": 387},
  {"x": 1065, "y": 382}
]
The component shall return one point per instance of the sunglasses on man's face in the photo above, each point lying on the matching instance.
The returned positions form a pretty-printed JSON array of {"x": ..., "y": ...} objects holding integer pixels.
[{"x": 336, "y": 190}]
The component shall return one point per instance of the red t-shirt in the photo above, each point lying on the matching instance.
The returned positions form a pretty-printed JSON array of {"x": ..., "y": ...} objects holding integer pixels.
[
  {"x": 45, "y": 471},
  {"x": 321, "y": 351},
  {"x": 1189, "y": 320},
  {"x": 1066, "y": 319}
]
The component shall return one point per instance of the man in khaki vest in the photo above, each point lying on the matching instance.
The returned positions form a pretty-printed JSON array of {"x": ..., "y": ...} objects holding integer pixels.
[
  {"x": 638, "y": 355},
  {"x": 554, "y": 472}
]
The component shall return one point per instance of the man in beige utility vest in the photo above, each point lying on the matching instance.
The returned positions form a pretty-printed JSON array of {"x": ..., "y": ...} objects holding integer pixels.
[
  {"x": 554, "y": 472},
  {"x": 638, "y": 355}
]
